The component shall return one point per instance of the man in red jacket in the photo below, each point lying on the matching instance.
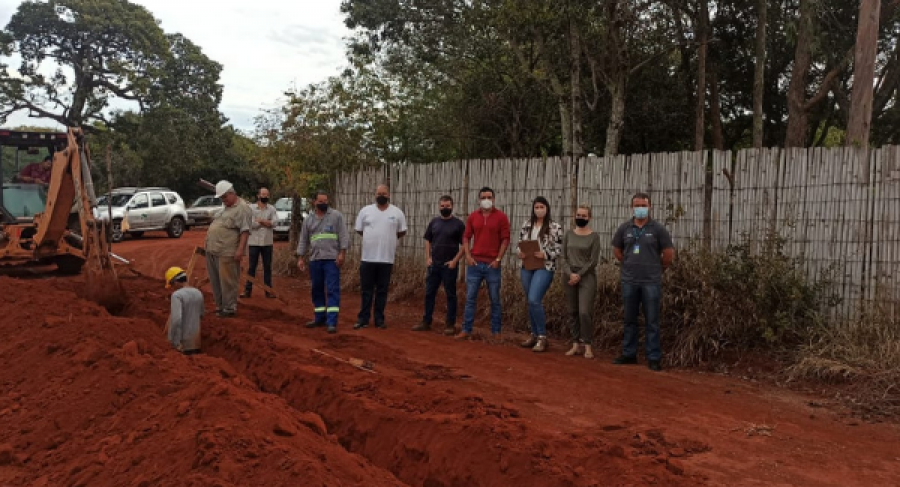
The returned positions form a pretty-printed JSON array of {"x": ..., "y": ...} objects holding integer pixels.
[{"x": 485, "y": 243}]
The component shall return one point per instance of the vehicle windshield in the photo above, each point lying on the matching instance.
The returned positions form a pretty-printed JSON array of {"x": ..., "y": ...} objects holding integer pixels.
[
  {"x": 284, "y": 204},
  {"x": 207, "y": 201},
  {"x": 24, "y": 201},
  {"x": 118, "y": 200}
]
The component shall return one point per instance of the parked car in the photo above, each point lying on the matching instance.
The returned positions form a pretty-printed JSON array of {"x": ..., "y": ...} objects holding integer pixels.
[
  {"x": 283, "y": 208},
  {"x": 204, "y": 210},
  {"x": 144, "y": 210}
]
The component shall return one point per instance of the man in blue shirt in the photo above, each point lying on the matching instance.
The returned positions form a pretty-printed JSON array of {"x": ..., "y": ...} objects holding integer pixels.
[{"x": 443, "y": 251}]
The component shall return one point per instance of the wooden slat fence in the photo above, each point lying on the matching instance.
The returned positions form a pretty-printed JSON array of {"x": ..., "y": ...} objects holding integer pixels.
[{"x": 835, "y": 209}]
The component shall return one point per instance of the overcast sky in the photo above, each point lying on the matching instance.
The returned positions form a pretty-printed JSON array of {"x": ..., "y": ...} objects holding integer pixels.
[{"x": 265, "y": 46}]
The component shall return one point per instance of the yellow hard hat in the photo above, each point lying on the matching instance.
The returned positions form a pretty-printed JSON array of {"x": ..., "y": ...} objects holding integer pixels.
[{"x": 171, "y": 274}]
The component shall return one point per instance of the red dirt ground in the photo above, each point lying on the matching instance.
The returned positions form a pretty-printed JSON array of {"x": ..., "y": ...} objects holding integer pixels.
[{"x": 91, "y": 399}]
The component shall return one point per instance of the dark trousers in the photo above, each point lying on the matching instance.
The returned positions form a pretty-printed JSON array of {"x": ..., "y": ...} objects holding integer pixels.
[
  {"x": 266, "y": 252},
  {"x": 374, "y": 279},
  {"x": 441, "y": 275},
  {"x": 326, "y": 291},
  {"x": 650, "y": 296}
]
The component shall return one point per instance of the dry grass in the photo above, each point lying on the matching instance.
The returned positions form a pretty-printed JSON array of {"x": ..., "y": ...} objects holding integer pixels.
[
  {"x": 863, "y": 355},
  {"x": 283, "y": 262}
]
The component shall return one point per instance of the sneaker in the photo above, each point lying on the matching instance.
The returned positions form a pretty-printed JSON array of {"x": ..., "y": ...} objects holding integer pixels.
[
  {"x": 359, "y": 326},
  {"x": 226, "y": 314},
  {"x": 315, "y": 324},
  {"x": 244, "y": 295},
  {"x": 531, "y": 342},
  {"x": 423, "y": 326},
  {"x": 450, "y": 330},
  {"x": 381, "y": 326},
  {"x": 541, "y": 345},
  {"x": 625, "y": 360},
  {"x": 332, "y": 330},
  {"x": 575, "y": 350},
  {"x": 463, "y": 336},
  {"x": 654, "y": 365}
]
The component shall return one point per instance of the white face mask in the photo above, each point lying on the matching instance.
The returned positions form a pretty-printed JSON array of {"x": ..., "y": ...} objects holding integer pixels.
[
  {"x": 487, "y": 204},
  {"x": 540, "y": 213}
]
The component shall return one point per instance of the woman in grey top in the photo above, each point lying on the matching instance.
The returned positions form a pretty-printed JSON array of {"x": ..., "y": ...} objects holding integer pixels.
[{"x": 581, "y": 250}]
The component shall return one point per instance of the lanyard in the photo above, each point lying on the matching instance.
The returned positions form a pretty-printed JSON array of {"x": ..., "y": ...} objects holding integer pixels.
[{"x": 637, "y": 235}]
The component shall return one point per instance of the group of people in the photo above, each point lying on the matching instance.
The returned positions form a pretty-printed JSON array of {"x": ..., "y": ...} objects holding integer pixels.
[{"x": 642, "y": 245}]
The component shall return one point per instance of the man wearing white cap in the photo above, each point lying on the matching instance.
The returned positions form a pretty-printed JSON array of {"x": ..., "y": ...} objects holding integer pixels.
[{"x": 226, "y": 242}]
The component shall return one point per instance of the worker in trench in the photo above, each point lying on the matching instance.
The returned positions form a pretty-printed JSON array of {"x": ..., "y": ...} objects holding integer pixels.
[{"x": 186, "y": 312}]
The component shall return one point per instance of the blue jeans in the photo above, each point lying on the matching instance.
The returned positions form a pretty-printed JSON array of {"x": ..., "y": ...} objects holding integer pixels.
[
  {"x": 255, "y": 252},
  {"x": 475, "y": 275},
  {"x": 439, "y": 274},
  {"x": 326, "y": 291},
  {"x": 535, "y": 284},
  {"x": 650, "y": 295}
]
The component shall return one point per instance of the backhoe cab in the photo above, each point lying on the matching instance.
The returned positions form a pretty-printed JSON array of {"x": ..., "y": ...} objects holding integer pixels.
[{"x": 35, "y": 216}]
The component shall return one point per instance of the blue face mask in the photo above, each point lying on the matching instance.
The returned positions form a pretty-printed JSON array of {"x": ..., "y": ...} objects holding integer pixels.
[{"x": 641, "y": 213}]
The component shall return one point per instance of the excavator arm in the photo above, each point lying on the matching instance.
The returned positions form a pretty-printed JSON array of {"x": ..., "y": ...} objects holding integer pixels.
[{"x": 50, "y": 237}]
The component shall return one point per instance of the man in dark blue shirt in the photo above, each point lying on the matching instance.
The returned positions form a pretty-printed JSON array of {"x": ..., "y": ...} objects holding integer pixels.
[
  {"x": 644, "y": 247},
  {"x": 443, "y": 251}
]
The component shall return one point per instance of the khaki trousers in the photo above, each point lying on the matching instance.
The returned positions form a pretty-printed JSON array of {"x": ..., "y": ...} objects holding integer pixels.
[{"x": 224, "y": 275}]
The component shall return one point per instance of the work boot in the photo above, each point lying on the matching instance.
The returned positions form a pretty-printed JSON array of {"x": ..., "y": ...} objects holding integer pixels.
[
  {"x": 244, "y": 295},
  {"x": 381, "y": 326},
  {"x": 541, "y": 345},
  {"x": 625, "y": 360},
  {"x": 423, "y": 326},
  {"x": 226, "y": 314},
  {"x": 315, "y": 324},
  {"x": 575, "y": 350},
  {"x": 531, "y": 342},
  {"x": 587, "y": 352},
  {"x": 332, "y": 330},
  {"x": 450, "y": 330},
  {"x": 359, "y": 326},
  {"x": 654, "y": 365},
  {"x": 463, "y": 336}
]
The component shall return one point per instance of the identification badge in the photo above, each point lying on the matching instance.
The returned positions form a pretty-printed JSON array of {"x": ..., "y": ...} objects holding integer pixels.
[{"x": 637, "y": 249}]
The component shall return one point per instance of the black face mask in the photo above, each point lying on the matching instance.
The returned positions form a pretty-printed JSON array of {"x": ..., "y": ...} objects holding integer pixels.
[
  {"x": 446, "y": 212},
  {"x": 323, "y": 207},
  {"x": 382, "y": 200},
  {"x": 264, "y": 200},
  {"x": 581, "y": 222}
]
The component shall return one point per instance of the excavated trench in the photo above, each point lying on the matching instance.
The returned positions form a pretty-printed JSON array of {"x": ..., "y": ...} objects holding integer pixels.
[{"x": 407, "y": 418}]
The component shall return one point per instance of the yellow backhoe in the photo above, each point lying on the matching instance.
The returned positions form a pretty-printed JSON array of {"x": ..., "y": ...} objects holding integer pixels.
[{"x": 72, "y": 240}]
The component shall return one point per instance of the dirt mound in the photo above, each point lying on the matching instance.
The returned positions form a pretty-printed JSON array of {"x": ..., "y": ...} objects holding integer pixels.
[{"x": 91, "y": 399}]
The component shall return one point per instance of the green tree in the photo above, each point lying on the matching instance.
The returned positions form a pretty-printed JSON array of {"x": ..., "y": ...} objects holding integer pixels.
[{"x": 97, "y": 50}]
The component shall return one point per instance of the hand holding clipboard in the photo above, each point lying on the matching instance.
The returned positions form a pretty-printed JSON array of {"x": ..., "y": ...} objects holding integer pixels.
[{"x": 531, "y": 249}]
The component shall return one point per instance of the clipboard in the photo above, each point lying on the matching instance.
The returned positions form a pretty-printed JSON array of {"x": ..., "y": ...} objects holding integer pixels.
[{"x": 529, "y": 248}]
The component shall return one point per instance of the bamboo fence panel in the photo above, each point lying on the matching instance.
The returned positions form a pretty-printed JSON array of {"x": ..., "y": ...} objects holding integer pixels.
[{"x": 835, "y": 208}]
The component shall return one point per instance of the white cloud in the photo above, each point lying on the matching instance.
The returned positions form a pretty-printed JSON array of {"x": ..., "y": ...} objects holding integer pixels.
[{"x": 265, "y": 46}]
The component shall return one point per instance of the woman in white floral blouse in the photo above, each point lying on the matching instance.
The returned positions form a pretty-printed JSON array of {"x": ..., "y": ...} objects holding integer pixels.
[{"x": 549, "y": 234}]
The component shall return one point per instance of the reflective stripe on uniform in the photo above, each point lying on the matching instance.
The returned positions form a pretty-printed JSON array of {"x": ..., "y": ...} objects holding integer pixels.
[
  {"x": 319, "y": 310},
  {"x": 323, "y": 236},
  {"x": 334, "y": 310}
]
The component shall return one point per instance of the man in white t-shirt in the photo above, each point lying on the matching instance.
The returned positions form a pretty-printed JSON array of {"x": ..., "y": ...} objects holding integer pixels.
[{"x": 381, "y": 225}]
